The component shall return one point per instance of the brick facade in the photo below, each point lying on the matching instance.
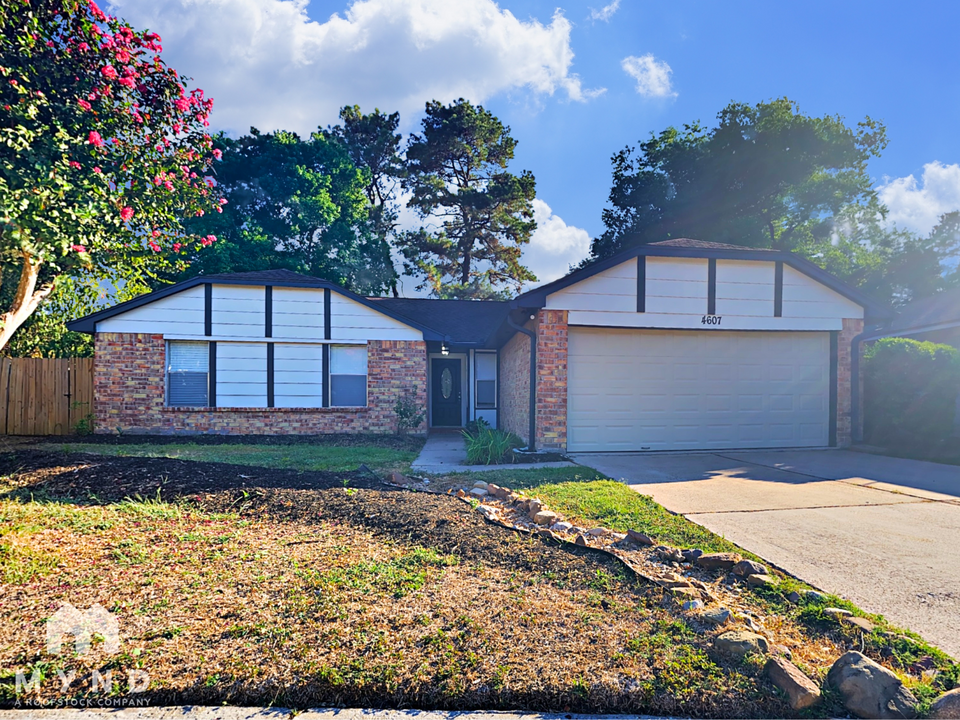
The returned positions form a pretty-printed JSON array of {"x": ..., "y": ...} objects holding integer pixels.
[
  {"x": 552, "y": 380},
  {"x": 514, "y": 409},
  {"x": 851, "y": 328},
  {"x": 129, "y": 394}
]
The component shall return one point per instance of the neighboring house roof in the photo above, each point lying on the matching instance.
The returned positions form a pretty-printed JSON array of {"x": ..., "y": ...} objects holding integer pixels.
[
  {"x": 690, "y": 248},
  {"x": 464, "y": 322},
  {"x": 942, "y": 309},
  {"x": 278, "y": 278}
]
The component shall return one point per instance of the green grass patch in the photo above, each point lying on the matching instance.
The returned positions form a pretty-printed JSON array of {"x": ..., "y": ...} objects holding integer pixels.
[
  {"x": 321, "y": 458},
  {"x": 398, "y": 577}
]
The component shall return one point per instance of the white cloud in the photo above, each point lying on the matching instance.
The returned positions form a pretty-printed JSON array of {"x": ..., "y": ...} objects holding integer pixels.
[
  {"x": 652, "y": 75},
  {"x": 917, "y": 206},
  {"x": 606, "y": 12},
  {"x": 554, "y": 245},
  {"x": 267, "y": 64}
]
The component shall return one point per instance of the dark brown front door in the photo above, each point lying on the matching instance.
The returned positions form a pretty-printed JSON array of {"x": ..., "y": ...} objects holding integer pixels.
[{"x": 445, "y": 389}]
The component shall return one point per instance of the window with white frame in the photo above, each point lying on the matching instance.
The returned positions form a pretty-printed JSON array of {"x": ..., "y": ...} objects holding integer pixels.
[
  {"x": 188, "y": 373},
  {"x": 348, "y": 375},
  {"x": 485, "y": 365}
]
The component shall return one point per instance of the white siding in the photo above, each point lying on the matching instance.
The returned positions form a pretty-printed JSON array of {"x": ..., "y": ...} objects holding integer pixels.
[
  {"x": 238, "y": 311},
  {"x": 804, "y": 297},
  {"x": 676, "y": 286},
  {"x": 181, "y": 313},
  {"x": 613, "y": 290},
  {"x": 351, "y": 320},
  {"x": 745, "y": 288},
  {"x": 297, "y": 375},
  {"x": 241, "y": 374},
  {"x": 677, "y": 292},
  {"x": 298, "y": 313}
]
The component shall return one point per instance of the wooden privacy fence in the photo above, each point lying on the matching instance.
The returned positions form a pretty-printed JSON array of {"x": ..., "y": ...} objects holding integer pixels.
[{"x": 45, "y": 396}]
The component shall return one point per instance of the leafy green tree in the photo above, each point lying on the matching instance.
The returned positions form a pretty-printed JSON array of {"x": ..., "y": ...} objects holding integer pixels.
[
  {"x": 457, "y": 176},
  {"x": 103, "y": 152},
  {"x": 765, "y": 176},
  {"x": 295, "y": 204},
  {"x": 45, "y": 334},
  {"x": 887, "y": 262}
]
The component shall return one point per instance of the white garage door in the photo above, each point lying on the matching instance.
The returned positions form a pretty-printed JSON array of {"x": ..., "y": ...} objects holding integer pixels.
[{"x": 673, "y": 390}]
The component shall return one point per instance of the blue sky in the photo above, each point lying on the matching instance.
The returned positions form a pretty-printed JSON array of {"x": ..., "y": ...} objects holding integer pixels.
[{"x": 557, "y": 76}]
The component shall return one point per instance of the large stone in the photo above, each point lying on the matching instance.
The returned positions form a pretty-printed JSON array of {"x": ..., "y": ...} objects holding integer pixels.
[
  {"x": 946, "y": 706},
  {"x": 533, "y": 507},
  {"x": 546, "y": 517},
  {"x": 562, "y": 527},
  {"x": 598, "y": 531},
  {"x": 480, "y": 484},
  {"x": 859, "y": 622},
  {"x": 745, "y": 568},
  {"x": 581, "y": 541},
  {"x": 720, "y": 616},
  {"x": 802, "y": 691},
  {"x": 741, "y": 642},
  {"x": 691, "y": 555},
  {"x": 478, "y": 492},
  {"x": 712, "y": 561},
  {"x": 639, "y": 538},
  {"x": 493, "y": 489},
  {"x": 762, "y": 581},
  {"x": 837, "y": 613},
  {"x": 670, "y": 554},
  {"x": 869, "y": 690}
]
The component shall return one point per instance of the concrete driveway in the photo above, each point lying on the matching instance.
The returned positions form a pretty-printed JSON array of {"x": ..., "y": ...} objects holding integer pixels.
[{"x": 882, "y": 532}]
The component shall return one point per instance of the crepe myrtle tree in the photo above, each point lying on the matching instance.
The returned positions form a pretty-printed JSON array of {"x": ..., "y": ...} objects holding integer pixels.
[{"x": 103, "y": 151}]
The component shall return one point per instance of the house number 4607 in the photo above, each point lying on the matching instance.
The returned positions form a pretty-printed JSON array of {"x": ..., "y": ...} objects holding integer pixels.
[{"x": 710, "y": 320}]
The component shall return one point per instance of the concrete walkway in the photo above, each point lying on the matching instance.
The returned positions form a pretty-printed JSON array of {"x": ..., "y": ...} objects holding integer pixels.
[
  {"x": 246, "y": 713},
  {"x": 879, "y": 531},
  {"x": 445, "y": 453}
]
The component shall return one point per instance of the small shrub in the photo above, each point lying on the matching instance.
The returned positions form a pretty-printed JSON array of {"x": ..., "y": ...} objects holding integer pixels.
[
  {"x": 489, "y": 446},
  {"x": 475, "y": 426},
  {"x": 910, "y": 392},
  {"x": 410, "y": 415}
]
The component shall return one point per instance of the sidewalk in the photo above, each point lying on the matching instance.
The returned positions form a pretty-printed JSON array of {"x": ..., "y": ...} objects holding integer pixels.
[
  {"x": 445, "y": 453},
  {"x": 193, "y": 712}
]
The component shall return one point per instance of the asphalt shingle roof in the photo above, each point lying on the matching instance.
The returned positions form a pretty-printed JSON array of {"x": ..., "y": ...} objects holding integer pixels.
[
  {"x": 942, "y": 308},
  {"x": 471, "y": 322},
  {"x": 702, "y": 245}
]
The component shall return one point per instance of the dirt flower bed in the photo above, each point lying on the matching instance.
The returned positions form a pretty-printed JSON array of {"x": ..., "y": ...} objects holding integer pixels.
[{"x": 251, "y": 586}]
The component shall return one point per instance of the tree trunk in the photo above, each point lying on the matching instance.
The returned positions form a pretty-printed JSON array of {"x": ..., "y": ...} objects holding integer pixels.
[{"x": 25, "y": 301}]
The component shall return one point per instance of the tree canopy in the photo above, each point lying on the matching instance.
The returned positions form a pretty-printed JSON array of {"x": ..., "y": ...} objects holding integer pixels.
[
  {"x": 765, "y": 176},
  {"x": 103, "y": 152},
  {"x": 298, "y": 204},
  {"x": 477, "y": 216}
]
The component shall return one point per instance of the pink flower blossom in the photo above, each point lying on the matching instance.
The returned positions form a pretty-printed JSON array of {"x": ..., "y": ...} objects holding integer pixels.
[
  {"x": 83, "y": 46},
  {"x": 95, "y": 139},
  {"x": 84, "y": 104},
  {"x": 126, "y": 214},
  {"x": 168, "y": 185},
  {"x": 158, "y": 179},
  {"x": 109, "y": 72},
  {"x": 78, "y": 248},
  {"x": 199, "y": 213},
  {"x": 97, "y": 170},
  {"x": 217, "y": 153},
  {"x": 154, "y": 246},
  {"x": 127, "y": 82},
  {"x": 181, "y": 104},
  {"x": 155, "y": 233},
  {"x": 123, "y": 57},
  {"x": 176, "y": 247},
  {"x": 74, "y": 164},
  {"x": 208, "y": 240}
]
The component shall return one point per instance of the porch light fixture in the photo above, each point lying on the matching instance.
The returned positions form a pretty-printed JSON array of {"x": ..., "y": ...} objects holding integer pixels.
[{"x": 444, "y": 350}]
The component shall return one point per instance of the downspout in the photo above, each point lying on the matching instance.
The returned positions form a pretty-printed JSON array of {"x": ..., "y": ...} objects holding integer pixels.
[{"x": 532, "y": 442}]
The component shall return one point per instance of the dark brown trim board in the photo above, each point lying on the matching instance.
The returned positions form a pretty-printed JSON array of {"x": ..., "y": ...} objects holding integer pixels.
[
  {"x": 268, "y": 311},
  {"x": 212, "y": 375},
  {"x": 778, "y": 289},
  {"x": 641, "y": 283},
  {"x": 327, "y": 324},
  {"x": 270, "y": 394},
  {"x": 208, "y": 309},
  {"x": 712, "y": 286}
]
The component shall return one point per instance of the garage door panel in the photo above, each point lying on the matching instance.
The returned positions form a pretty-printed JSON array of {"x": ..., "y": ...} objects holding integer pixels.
[{"x": 671, "y": 390}]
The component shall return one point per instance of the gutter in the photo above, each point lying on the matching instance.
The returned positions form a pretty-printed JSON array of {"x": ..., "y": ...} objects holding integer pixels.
[
  {"x": 867, "y": 336},
  {"x": 532, "y": 442}
]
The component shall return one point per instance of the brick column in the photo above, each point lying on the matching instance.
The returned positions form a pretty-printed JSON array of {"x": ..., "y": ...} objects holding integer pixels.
[
  {"x": 552, "y": 380},
  {"x": 851, "y": 328}
]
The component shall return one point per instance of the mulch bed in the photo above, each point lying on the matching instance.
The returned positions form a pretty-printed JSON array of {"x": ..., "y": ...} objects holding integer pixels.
[{"x": 287, "y": 605}]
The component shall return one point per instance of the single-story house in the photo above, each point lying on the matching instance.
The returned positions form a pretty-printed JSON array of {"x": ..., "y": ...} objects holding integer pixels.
[{"x": 676, "y": 345}]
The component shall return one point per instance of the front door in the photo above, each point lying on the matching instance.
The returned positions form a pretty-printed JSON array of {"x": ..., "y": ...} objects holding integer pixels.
[{"x": 445, "y": 388}]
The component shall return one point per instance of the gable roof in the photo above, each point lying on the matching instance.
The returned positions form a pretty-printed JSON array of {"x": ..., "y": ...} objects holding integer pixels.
[
  {"x": 463, "y": 322},
  {"x": 690, "y": 248},
  {"x": 937, "y": 310},
  {"x": 263, "y": 278}
]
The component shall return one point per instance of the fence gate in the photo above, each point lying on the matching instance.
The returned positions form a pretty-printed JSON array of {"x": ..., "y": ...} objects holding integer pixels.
[{"x": 45, "y": 396}]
